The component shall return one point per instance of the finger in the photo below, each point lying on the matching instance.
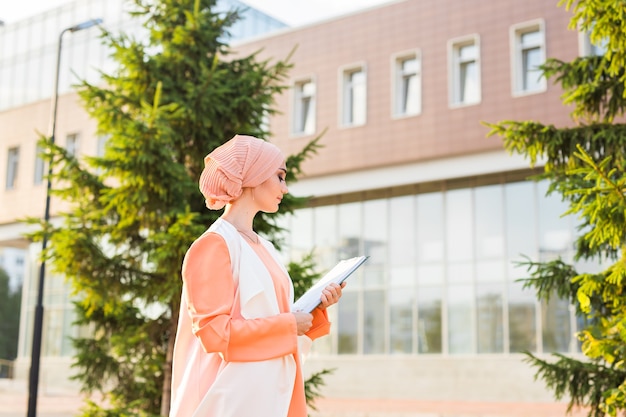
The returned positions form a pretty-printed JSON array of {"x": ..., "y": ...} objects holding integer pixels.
[{"x": 328, "y": 298}]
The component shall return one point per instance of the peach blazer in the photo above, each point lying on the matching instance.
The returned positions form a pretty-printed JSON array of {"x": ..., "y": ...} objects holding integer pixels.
[{"x": 237, "y": 352}]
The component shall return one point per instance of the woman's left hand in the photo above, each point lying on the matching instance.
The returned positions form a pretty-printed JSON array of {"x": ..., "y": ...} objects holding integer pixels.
[{"x": 331, "y": 294}]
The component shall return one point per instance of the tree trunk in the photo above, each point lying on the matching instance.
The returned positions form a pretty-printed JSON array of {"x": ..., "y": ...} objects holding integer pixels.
[{"x": 166, "y": 396}]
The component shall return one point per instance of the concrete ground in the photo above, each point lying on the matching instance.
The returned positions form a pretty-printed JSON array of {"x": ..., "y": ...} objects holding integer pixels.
[
  {"x": 50, "y": 402},
  {"x": 330, "y": 407},
  {"x": 59, "y": 403}
]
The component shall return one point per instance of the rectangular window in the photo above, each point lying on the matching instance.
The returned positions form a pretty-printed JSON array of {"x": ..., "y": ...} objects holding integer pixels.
[
  {"x": 556, "y": 324},
  {"x": 461, "y": 308},
  {"x": 100, "y": 149},
  {"x": 489, "y": 320},
  {"x": 464, "y": 72},
  {"x": 589, "y": 47},
  {"x": 71, "y": 144},
  {"x": 102, "y": 141},
  {"x": 528, "y": 53},
  {"x": 304, "y": 107},
  {"x": 374, "y": 322},
  {"x": 407, "y": 82},
  {"x": 39, "y": 166},
  {"x": 12, "y": 166},
  {"x": 401, "y": 304},
  {"x": 522, "y": 314},
  {"x": 353, "y": 96},
  {"x": 430, "y": 319},
  {"x": 348, "y": 323}
]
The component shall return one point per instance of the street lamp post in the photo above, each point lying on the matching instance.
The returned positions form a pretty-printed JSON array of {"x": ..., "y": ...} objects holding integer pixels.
[{"x": 33, "y": 382}]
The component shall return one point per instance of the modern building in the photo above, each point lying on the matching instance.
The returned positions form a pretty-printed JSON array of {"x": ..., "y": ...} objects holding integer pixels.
[
  {"x": 28, "y": 57},
  {"x": 406, "y": 175}
]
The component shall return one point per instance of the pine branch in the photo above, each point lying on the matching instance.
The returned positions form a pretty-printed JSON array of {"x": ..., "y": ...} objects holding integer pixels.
[
  {"x": 313, "y": 385},
  {"x": 583, "y": 384}
]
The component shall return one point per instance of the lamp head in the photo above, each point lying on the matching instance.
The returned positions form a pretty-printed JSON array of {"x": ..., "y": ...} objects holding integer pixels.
[{"x": 85, "y": 25}]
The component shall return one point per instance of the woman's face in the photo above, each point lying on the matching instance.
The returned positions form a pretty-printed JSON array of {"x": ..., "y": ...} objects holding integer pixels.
[{"x": 269, "y": 194}]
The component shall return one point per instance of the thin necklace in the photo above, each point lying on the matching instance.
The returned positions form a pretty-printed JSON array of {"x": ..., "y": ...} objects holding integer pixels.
[{"x": 254, "y": 238}]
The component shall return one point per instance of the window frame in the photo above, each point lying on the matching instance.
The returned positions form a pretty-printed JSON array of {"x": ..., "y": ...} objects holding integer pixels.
[
  {"x": 454, "y": 70},
  {"x": 516, "y": 51},
  {"x": 298, "y": 125},
  {"x": 13, "y": 166},
  {"x": 346, "y": 89},
  {"x": 586, "y": 47},
  {"x": 397, "y": 76},
  {"x": 39, "y": 172},
  {"x": 75, "y": 138}
]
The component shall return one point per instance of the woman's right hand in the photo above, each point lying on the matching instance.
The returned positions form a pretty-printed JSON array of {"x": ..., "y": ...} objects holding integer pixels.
[{"x": 304, "y": 321}]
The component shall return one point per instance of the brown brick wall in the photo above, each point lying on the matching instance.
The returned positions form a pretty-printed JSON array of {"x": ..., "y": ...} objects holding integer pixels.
[{"x": 373, "y": 37}]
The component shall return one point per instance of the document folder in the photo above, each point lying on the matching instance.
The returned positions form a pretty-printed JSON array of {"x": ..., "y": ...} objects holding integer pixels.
[{"x": 338, "y": 274}]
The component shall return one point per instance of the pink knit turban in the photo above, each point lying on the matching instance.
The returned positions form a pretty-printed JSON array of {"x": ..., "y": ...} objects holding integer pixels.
[{"x": 243, "y": 161}]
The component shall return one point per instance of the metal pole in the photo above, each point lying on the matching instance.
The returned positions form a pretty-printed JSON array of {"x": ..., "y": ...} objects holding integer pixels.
[{"x": 33, "y": 382}]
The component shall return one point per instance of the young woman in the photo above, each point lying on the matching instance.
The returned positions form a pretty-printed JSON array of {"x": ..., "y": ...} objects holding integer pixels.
[{"x": 238, "y": 345}]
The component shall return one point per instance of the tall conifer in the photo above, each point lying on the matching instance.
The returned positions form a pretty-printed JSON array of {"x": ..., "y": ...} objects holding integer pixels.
[
  {"x": 135, "y": 210},
  {"x": 586, "y": 165}
]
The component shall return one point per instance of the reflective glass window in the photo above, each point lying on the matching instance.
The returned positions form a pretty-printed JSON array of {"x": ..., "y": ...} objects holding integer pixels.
[
  {"x": 301, "y": 233},
  {"x": 459, "y": 225},
  {"x": 408, "y": 86},
  {"x": 350, "y": 229},
  {"x": 465, "y": 71},
  {"x": 13, "y": 159},
  {"x": 39, "y": 167},
  {"x": 489, "y": 318},
  {"x": 348, "y": 323},
  {"x": 522, "y": 318},
  {"x": 489, "y": 221},
  {"x": 304, "y": 107},
  {"x": 402, "y": 245},
  {"x": 401, "y": 332},
  {"x": 461, "y": 335},
  {"x": 430, "y": 227},
  {"x": 556, "y": 325},
  {"x": 555, "y": 230},
  {"x": 374, "y": 321},
  {"x": 354, "y": 97},
  {"x": 460, "y": 273},
  {"x": 375, "y": 239},
  {"x": 430, "y": 274},
  {"x": 429, "y": 320},
  {"x": 521, "y": 220},
  {"x": 325, "y": 236}
]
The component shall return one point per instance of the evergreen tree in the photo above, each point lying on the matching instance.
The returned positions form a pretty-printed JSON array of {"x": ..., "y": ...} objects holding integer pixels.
[
  {"x": 586, "y": 165},
  {"x": 10, "y": 302},
  {"x": 135, "y": 210}
]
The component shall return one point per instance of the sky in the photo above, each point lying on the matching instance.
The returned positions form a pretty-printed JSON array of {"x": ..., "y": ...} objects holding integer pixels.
[{"x": 292, "y": 12}]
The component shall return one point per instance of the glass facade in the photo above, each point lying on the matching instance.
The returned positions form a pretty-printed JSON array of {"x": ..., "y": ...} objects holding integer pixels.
[
  {"x": 28, "y": 48},
  {"x": 441, "y": 278}
]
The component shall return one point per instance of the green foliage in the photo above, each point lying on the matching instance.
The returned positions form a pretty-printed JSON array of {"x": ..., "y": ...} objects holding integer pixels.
[
  {"x": 604, "y": 20},
  {"x": 586, "y": 165},
  {"x": 304, "y": 269},
  {"x": 312, "y": 386},
  {"x": 135, "y": 210},
  {"x": 585, "y": 383},
  {"x": 10, "y": 302}
]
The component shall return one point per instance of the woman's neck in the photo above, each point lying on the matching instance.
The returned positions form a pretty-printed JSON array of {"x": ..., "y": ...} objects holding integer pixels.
[{"x": 240, "y": 217}]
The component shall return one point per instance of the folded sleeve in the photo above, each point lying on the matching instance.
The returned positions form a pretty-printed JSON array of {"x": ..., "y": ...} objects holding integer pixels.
[
  {"x": 321, "y": 325},
  {"x": 209, "y": 292}
]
